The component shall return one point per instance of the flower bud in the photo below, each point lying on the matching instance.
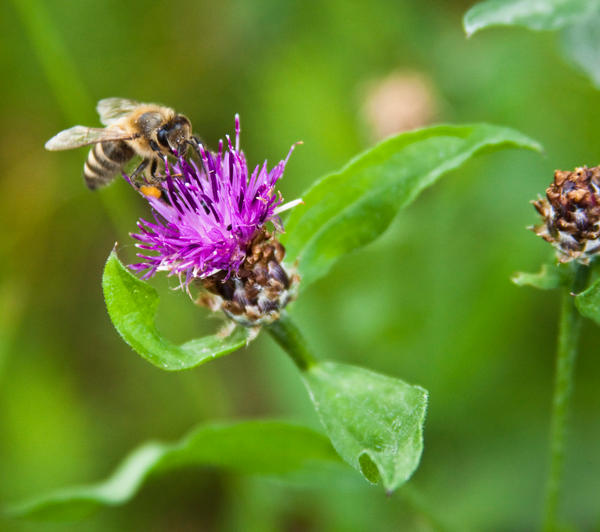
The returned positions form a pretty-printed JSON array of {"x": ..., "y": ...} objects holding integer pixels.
[{"x": 571, "y": 214}]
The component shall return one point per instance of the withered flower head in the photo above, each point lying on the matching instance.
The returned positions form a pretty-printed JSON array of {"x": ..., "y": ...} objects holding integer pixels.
[
  {"x": 571, "y": 213},
  {"x": 258, "y": 291},
  {"x": 209, "y": 229}
]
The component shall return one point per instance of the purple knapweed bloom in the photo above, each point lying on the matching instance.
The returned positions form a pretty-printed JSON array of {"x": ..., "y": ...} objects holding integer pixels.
[{"x": 208, "y": 213}]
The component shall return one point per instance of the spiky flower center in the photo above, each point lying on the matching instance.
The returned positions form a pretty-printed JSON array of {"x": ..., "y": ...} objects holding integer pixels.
[{"x": 209, "y": 229}]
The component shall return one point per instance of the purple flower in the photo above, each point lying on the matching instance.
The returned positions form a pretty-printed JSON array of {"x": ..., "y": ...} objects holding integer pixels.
[{"x": 208, "y": 213}]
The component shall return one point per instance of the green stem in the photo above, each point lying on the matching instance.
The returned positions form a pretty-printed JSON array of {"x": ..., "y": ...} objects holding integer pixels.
[
  {"x": 568, "y": 339},
  {"x": 289, "y": 337}
]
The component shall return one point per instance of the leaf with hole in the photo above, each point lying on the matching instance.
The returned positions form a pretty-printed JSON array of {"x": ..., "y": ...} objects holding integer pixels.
[{"x": 375, "y": 422}]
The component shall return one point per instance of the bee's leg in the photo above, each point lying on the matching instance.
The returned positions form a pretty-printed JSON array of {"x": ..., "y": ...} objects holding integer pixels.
[
  {"x": 153, "y": 177},
  {"x": 158, "y": 157},
  {"x": 152, "y": 187},
  {"x": 141, "y": 167}
]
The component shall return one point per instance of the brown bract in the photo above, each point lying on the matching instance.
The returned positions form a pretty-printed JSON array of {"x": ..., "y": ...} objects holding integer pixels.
[
  {"x": 571, "y": 213},
  {"x": 259, "y": 291}
]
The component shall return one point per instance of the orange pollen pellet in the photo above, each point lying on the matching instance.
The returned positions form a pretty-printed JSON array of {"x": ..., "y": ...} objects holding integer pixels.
[{"x": 150, "y": 190}]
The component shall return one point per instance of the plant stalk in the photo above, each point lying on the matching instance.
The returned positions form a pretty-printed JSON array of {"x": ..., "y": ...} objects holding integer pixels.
[
  {"x": 289, "y": 337},
  {"x": 568, "y": 340}
]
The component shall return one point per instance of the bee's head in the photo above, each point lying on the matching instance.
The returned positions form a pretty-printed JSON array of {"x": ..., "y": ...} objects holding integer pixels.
[{"x": 175, "y": 134}]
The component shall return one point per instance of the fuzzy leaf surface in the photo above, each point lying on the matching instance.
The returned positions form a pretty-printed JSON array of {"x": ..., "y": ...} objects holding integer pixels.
[
  {"x": 348, "y": 209},
  {"x": 132, "y": 306},
  {"x": 252, "y": 447},
  {"x": 532, "y": 14},
  {"x": 375, "y": 422}
]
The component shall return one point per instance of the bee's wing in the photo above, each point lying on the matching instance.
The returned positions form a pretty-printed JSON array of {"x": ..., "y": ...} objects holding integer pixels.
[
  {"x": 113, "y": 109},
  {"x": 78, "y": 136}
]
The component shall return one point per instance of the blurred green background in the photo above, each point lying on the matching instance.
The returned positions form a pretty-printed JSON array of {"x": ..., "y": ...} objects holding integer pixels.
[{"x": 430, "y": 302}]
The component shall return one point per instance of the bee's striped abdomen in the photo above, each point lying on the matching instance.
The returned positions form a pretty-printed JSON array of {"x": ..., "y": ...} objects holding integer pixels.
[{"x": 104, "y": 161}]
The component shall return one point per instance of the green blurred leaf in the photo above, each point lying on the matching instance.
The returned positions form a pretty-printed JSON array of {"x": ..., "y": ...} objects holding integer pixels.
[
  {"x": 588, "y": 302},
  {"x": 350, "y": 208},
  {"x": 551, "y": 276},
  {"x": 375, "y": 422},
  {"x": 132, "y": 306},
  {"x": 55, "y": 59},
  {"x": 579, "y": 18},
  {"x": 253, "y": 447},
  {"x": 532, "y": 14},
  {"x": 581, "y": 44}
]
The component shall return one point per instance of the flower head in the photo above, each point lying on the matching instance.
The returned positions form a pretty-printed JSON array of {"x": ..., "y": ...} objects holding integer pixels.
[
  {"x": 209, "y": 228},
  {"x": 571, "y": 214},
  {"x": 208, "y": 213}
]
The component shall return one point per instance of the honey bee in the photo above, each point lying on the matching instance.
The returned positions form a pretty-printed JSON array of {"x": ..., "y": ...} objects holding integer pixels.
[{"x": 148, "y": 130}]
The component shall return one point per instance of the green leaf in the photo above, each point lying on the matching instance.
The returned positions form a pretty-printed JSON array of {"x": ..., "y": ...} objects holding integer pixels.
[
  {"x": 551, "y": 276},
  {"x": 375, "y": 422},
  {"x": 350, "y": 208},
  {"x": 581, "y": 43},
  {"x": 532, "y": 14},
  {"x": 588, "y": 302},
  {"x": 579, "y": 19},
  {"x": 253, "y": 447},
  {"x": 132, "y": 306}
]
